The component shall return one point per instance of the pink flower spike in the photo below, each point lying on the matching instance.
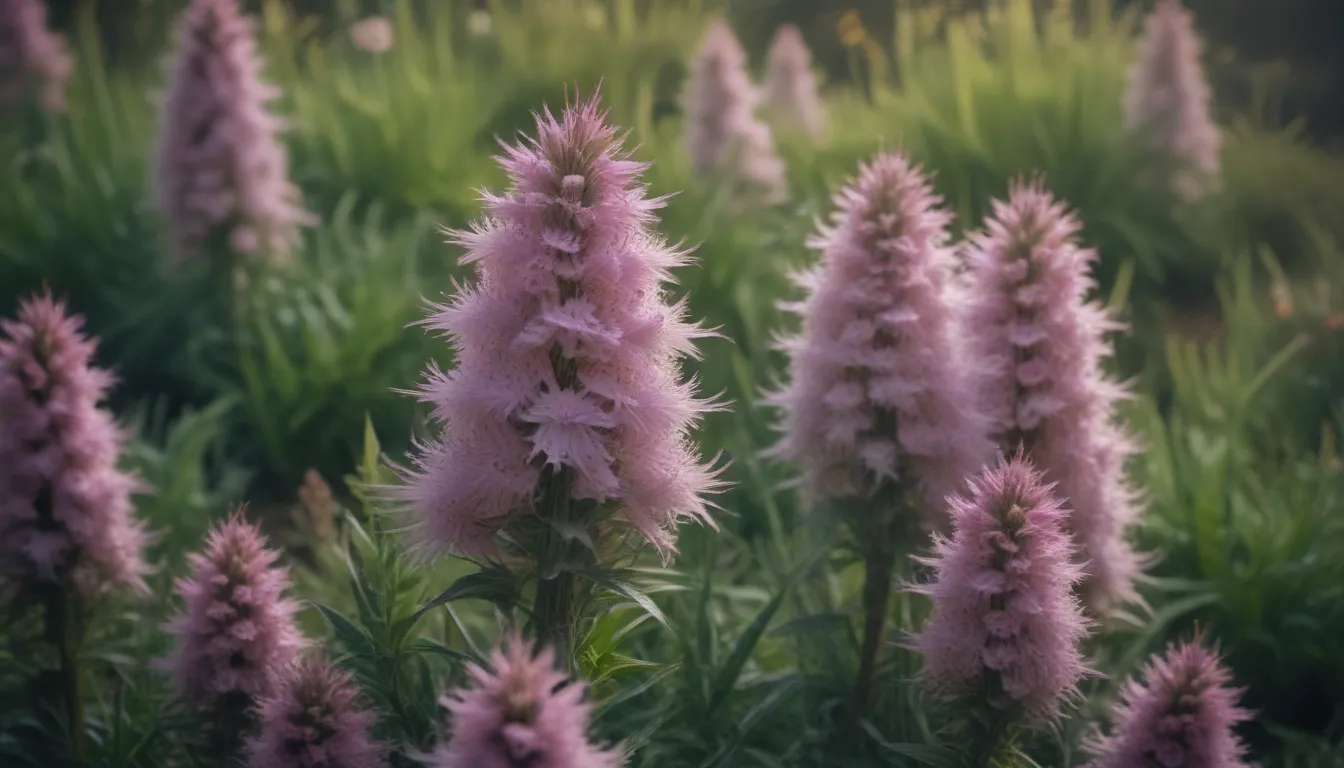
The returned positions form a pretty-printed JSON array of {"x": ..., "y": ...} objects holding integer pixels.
[
  {"x": 1168, "y": 97},
  {"x": 33, "y": 59},
  {"x": 791, "y": 85},
  {"x": 723, "y": 134},
  {"x": 236, "y": 633},
  {"x": 1182, "y": 713},
  {"x": 1005, "y": 619},
  {"x": 313, "y": 720},
  {"x": 521, "y": 712},
  {"x": 65, "y": 508},
  {"x": 1041, "y": 343},
  {"x": 567, "y": 352},
  {"x": 221, "y": 174},
  {"x": 879, "y": 391}
]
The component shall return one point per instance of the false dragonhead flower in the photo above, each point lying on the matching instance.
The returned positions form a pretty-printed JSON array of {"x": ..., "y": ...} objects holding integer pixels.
[
  {"x": 1181, "y": 714},
  {"x": 567, "y": 352},
  {"x": 236, "y": 634},
  {"x": 1168, "y": 97},
  {"x": 312, "y": 719},
  {"x": 521, "y": 712},
  {"x": 33, "y": 59},
  {"x": 791, "y": 85},
  {"x": 1041, "y": 344},
  {"x": 221, "y": 174},
  {"x": 1005, "y": 622},
  {"x": 878, "y": 390},
  {"x": 723, "y": 134},
  {"x": 65, "y": 507}
]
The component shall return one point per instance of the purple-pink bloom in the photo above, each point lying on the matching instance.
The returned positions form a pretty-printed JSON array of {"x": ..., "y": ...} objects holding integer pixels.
[
  {"x": 313, "y": 719},
  {"x": 221, "y": 174},
  {"x": 236, "y": 633},
  {"x": 1041, "y": 343},
  {"x": 33, "y": 59},
  {"x": 879, "y": 392},
  {"x": 65, "y": 509},
  {"x": 1005, "y": 621},
  {"x": 1181, "y": 714},
  {"x": 521, "y": 712},
  {"x": 567, "y": 351},
  {"x": 722, "y": 133},
  {"x": 1168, "y": 97},
  {"x": 791, "y": 85}
]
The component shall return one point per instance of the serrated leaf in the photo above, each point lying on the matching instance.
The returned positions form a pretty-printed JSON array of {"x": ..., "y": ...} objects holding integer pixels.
[{"x": 626, "y": 589}]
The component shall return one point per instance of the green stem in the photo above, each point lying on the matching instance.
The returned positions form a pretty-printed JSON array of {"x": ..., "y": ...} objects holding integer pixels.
[
  {"x": 988, "y": 740},
  {"x": 554, "y": 605},
  {"x": 877, "y": 532},
  {"x": 63, "y": 631}
]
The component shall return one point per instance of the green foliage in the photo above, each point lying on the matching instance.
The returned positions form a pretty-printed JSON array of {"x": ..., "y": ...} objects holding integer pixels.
[{"x": 743, "y": 655}]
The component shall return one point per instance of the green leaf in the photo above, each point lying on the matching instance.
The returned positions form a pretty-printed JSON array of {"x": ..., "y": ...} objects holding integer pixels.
[
  {"x": 350, "y": 634},
  {"x": 924, "y": 754},
  {"x": 615, "y": 582},
  {"x": 428, "y": 645},
  {"x": 495, "y": 585},
  {"x": 726, "y": 680}
]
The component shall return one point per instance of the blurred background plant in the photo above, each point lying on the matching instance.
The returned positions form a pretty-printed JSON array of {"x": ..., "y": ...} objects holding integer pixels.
[{"x": 742, "y": 654}]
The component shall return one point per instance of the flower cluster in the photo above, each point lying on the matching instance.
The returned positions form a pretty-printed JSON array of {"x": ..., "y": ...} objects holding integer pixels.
[
  {"x": 723, "y": 134},
  {"x": 567, "y": 351},
  {"x": 521, "y": 712},
  {"x": 312, "y": 720},
  {"x": 791, "y": 85},
  {"x": 1168, "y": 96},
  {"x": 1182, "y": 714},
  {"x": 65, "y": 511},
  {"x": 1041, "y": 344},
  {"x": 32, "y": 58},
  {"x": 236, "y": 634},
  {"x": 1005, "y": 621},
  {"x": 222, "y": 177},
  {"x": 878, "y": 392}
]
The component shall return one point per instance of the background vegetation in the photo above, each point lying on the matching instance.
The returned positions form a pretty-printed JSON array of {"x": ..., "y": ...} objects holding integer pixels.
[{"x": 739, "y": 654}]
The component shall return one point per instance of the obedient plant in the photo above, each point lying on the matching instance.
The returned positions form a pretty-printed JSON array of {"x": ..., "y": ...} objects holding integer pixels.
[
  {"x": 1181, "y": 714},
  {"x": 312, "y": 719},
  {"x": 722, "y": 133},
  {"x": 565, "y": 417},
  {"x": 65, "y": 511},
  {"x": 236, "y": 633},
  {"x": 33, "y": 60},
  {"x": 791, "y": 85},
  {"x": 521, "y": 711},
  {"x": 221, "y": 175},
  {"x": 1168, "y": 96},
  {"x": 1042, "y": 345},
  {"x": 1006, "y": 627},
  {"x": 879, "y": 409},
  {"x": 67, "y": 534}
]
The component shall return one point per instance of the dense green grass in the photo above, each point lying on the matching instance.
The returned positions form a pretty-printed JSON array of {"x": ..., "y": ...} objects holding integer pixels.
[{"x": 741, "y": 652}]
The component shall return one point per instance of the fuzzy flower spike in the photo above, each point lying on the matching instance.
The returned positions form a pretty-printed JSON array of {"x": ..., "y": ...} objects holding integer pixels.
[
  {"x": 313, "y": 720},
  {"x": 1168, "y": 96},
  {"x": 878, "y": 394},
  {"x": 32, "y": 58},
  {"x": 236, "y": 634},
  {"x": 65, "y": 511},
  {"x": 1006, "y": 626},
  {"x": 522, "y": 712},
  {"x": 1181, "y": 714},
  {"x": 1042, "y": 345},
  {"x": 723, "y": 135},
  {"x": 791, "y": 85},
  {"x": 222, "y": 177},
  {"x": 567, "y": 352}
]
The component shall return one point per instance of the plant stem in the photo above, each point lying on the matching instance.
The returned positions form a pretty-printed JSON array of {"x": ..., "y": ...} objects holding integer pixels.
[
  {"x": 878, "y": 564},
  {"x": 63, "y": 630},
  {"x": 554, "y": 604}
]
